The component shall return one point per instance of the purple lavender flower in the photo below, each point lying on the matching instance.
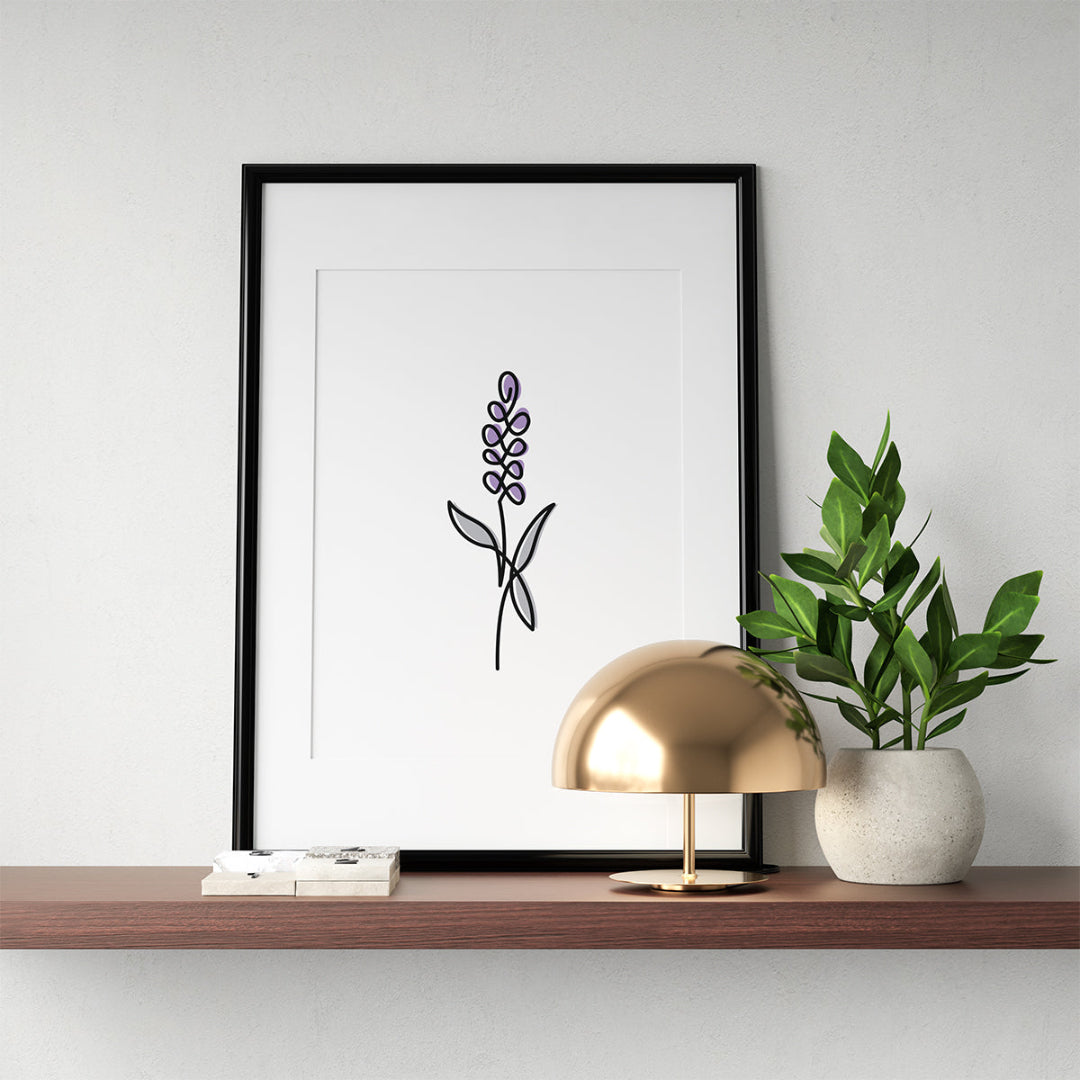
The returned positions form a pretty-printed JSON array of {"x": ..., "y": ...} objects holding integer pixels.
[
  {"x": 503, "y": 450},
  {"x": 509, "y": 389},
  {"x": 503, "y": 445}
]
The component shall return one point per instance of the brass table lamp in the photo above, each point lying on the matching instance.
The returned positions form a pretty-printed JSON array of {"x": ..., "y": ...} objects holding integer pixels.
[{"x": 688, "y": 717}]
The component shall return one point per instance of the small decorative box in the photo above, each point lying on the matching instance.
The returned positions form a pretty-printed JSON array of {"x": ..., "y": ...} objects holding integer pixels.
[
  {"x": 259, "y": 861},
  {"x": 237, "y": 883},
  {"x": 372, "y": 863}
]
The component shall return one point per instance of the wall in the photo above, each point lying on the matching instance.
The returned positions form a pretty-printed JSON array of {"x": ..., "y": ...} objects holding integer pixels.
[{"x": 919, "y": 253}]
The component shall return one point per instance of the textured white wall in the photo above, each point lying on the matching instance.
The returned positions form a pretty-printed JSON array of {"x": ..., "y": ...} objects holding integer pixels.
[{"x": 919, "y": 252}]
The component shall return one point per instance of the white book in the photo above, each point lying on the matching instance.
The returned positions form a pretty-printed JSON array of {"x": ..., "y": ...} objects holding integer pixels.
[
  {"x": 259, "y": 861},
  {"x": 237, "y": 883},
  {"x": 372, "y": 863},
  {"x": 347, "y": 888}
]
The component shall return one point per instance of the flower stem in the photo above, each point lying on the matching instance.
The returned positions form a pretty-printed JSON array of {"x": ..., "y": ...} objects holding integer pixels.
[
  {"x": 502, "y": 548},
  {"x": 498, "y": 624}
]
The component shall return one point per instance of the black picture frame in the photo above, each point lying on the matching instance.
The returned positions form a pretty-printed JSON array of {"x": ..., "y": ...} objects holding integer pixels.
[{"x": 255, "y": 178}]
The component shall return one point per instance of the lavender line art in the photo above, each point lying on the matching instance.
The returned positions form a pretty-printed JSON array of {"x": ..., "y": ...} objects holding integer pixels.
[{"x": 503, "y": 451}]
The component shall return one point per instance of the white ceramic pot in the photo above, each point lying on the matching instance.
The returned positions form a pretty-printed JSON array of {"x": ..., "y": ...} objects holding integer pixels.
[{"x": 900, "y": 817}]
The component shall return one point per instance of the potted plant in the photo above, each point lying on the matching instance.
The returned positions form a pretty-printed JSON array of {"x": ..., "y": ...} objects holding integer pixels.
[{"x": 900, "y": 811}]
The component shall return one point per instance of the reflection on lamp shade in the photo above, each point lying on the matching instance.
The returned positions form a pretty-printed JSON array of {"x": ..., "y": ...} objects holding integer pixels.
[
  {"x": 690, "y": 717},
  {"x": 621, "y": 747}
]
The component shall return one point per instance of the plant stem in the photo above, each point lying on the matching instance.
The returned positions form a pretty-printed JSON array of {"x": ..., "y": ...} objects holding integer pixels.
[
  {"x": 502, "y": 548},
  {"x": 874, "y": 622},
  {"x": 498, "y": 624},
  {"x": 875, "y": 736},
  {"x": 907, "y": 720},
  {"x": 922, "y": 727}
]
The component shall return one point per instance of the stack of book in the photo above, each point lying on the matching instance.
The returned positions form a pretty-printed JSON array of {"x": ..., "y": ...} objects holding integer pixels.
[
  {"x": 348, "y": 871},
  {"x": 318, "y": 871}
]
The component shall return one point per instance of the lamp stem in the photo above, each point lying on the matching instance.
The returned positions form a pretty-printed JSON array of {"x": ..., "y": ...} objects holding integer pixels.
[{"x": 688, "y": 872}]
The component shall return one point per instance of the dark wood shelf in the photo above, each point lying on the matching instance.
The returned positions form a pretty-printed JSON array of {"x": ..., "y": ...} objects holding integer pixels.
[{"x": 156, "y": 907}]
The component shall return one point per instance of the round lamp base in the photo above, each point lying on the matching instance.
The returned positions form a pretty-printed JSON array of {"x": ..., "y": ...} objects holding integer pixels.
[{"x": 704, "y": 880}]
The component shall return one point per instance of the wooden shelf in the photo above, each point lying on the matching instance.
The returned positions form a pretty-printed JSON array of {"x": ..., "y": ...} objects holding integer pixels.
[{"x": 799, "y": 908}]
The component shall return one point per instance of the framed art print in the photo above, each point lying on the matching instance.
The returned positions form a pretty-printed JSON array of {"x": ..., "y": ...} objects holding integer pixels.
[{"x": 497, "y": 427}]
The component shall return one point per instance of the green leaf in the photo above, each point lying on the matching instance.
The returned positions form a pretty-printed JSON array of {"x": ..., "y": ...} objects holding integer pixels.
[
  {"x": 897, "y": 581},
  {"x": 1014, "y": 604},
  {"x": 1028, "y": 584},
  {"x": 886, "y": 716},
  {"x": 881, "y": 669},
  {"x": 973, "y": 650},
  {"x": 913, "y": 656},
  {"x": 851, "y": 559},
  {"x": 885, "y": 478},
  {"x": 1016, "y": 650},
  {"x": 895, "y": 552},
  {"x": 764, "y": 624},
  {"x": 853, "y": 717},
  {"x": 882, "y": 623},
  {"x": 849, "y": 611},
  {"x": 832, "y": 542},
  {"x": 938, "y": 629},
  {"x": 882, "y": 444},
  {"x": 922, "y": 530},
  {"x": 774, "y": 656},
  {"x": 997, "y": 680},
  {"x": 849, "y": 468},
  {"x": 875, "y": 510},
  {"x": 888, "y": 679},
  {"x": 837, "y": 594},
  {"x": 960, "y": 694},
  {"x": 947, "y": 725},
  {"x": 850, "y": 706},
  {"x": 842, "y": 641},
  {"x": 796, "y": 602},
  {"x": 923, "y": 589},
  {"x": 819, "y": 697},
  {"x": 830, "y": 558},
  {"x": 812, "y": 568},
  {"x": 880, "y": 654},
  {"x": 812, "y": 665},
  {"x": 840, "y": 593},
  {"x": 826, "y": 628},
  {"x": 947, "y": 601},
  {"x": 924, "y": 641},
  {"x": 896, "y": 503},
  {"x": 902, "y": 563},
  {"x": 877, "y": 550},
  {"x": 1010, "y": 612}
]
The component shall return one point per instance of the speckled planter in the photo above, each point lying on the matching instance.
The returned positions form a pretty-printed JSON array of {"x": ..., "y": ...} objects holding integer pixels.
[{"x": 900, "y": 817}]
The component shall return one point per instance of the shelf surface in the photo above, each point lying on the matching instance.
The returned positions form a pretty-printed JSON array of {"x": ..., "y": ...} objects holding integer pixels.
[{"x": 44, "y": 907}]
